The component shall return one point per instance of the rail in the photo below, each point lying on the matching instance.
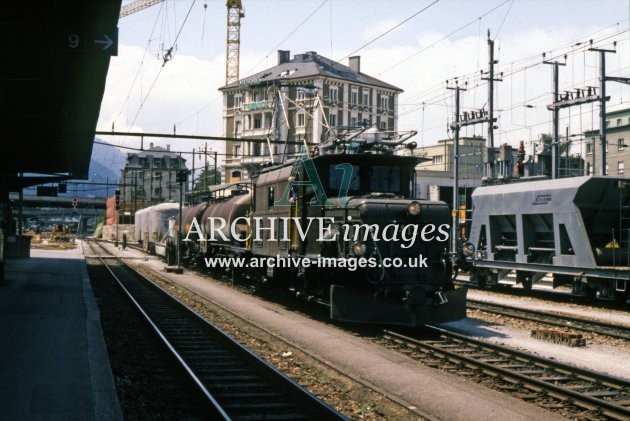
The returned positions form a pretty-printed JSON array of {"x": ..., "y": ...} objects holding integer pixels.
[
  {"x": 236, "y": 383},
  {"x": 531, "y": 376}
]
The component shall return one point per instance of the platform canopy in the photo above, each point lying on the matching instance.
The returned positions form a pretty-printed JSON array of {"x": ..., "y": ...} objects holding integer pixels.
[{"x": 53, "y": 69}]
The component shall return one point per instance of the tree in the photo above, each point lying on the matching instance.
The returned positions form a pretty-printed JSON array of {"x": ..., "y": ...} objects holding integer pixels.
[
  {"x": 208, "y": 177},
  {"x": 569, "y": 166},
  {"x": 547, "y": 139}
]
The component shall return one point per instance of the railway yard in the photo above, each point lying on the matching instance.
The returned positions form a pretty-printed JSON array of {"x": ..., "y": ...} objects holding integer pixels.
[
  {"x": 374, "y": 373},
  {"x": 398, "y": 211}
]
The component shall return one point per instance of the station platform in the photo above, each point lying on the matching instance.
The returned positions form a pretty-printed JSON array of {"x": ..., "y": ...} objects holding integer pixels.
[{"x": 53, "y": 359}]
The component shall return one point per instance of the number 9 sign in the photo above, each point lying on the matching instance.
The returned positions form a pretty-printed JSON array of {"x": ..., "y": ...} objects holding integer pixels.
[{"x": 73, "y": 41}]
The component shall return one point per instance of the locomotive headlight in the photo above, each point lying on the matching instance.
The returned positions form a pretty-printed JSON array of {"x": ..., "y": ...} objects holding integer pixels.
[
  {"x": 468, "y": 249},
  {"x": 359, "y": 249},
  {"x": 329, "y": 235},
  {"x": 414, "y": 208}
]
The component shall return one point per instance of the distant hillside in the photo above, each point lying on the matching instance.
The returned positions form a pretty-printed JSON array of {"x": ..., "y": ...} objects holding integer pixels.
[{"x": 105, "y": 165}]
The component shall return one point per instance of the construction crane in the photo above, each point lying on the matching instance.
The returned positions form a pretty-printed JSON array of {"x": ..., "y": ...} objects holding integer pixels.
[
  {"x": 234, "y": 14},
  {"x": 136, "y": 6}
]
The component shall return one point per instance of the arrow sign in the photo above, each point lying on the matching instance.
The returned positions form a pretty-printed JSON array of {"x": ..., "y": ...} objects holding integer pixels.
[
  {"x": 106, "y": 42},
  {"x": 97, "y": 41}
]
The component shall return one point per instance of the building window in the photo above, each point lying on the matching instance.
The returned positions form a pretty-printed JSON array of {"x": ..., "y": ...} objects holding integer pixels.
[
  {"x": 383, "y": 125},
  {"x": 384, "y": 103},
  {"x": 618, "y": 122},
  {"x": 354, "y": 97},
  {"x": 334, "y": 94},
  {"x": 366, "y": 99},
  {"x": 157, "y": 163},
  {"x": 257, "y": 122},
  {"x": 589, "y": 149},
  {"x": 353, "y": 121},
  {"x": 438, "y": 159},
  {"x": 157, "y": 191},
  {"x": 237, "y": 127},
  {"x": 238, "y": 101},
  {"x": 301, "y": 95},
  {"x": 621, "y": 167},
  {"x": 589, "y": 168},
  {"x": 300, "y": 120},
  {"x": 332, "y": 121},
  {"x": 606, "y": 172},
  {"x": 620, "y": 145},
  {"x": 607, "y": 123}
]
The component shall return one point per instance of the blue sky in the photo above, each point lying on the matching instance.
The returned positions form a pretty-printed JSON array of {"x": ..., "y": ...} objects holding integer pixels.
[{"x": 445, "y": 41}]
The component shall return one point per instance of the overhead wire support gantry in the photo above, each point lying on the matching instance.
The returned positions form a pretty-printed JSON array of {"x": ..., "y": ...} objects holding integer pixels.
[
  {"x": 467, "y": 118},
  {"x": 603, "y": 98},
  {"x": 490, "y": 169},
  {"x": 555, "y": 109}
]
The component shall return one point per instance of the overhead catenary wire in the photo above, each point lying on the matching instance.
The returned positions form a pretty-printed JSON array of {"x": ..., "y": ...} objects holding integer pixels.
[
  {"x": 163, "y": 64},
  {"x": 572, "y": 49},
  {"x": 443, "y": 38},
  {"x": 293, "y": 31},
  {"x": 514, "y": 68},
  {"x": 398, "y": 25},
  {"x": 252, "y": 68},
  {"x": 135, "y": 78}
]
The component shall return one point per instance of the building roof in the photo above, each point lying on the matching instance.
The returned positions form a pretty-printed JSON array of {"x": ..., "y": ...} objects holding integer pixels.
[
  {"x": 156, "y": 152},
  {"x": 305, "y": 66}
]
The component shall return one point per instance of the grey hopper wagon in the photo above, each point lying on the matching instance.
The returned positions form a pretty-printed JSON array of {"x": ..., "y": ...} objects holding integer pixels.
[{"x": 576, "y": 229}]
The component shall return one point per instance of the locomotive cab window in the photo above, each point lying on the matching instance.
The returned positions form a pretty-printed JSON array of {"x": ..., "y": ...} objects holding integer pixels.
[
  {"x": 365, "y": 179},
  {"x": 270, "y": 197}
]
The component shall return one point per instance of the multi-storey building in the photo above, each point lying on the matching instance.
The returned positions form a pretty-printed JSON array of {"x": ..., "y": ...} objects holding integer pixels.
[
  {"x": 434, "y": 177},
  {"x": 149, "y": 178},
  {"x": 276, "y": 113},
  {"x": 617, "y": 145}
]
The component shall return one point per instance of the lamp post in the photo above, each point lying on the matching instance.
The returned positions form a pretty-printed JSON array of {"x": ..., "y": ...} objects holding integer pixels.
[
  {"x": 117, "y": 204},
  {"x": 181, "y": 178}
]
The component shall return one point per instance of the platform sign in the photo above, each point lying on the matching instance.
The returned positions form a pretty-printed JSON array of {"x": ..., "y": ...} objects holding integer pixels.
[{"x": 93, "y": 41}]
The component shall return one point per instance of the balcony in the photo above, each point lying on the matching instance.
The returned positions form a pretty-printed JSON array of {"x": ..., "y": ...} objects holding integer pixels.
[{"x": 258, "y": 105}]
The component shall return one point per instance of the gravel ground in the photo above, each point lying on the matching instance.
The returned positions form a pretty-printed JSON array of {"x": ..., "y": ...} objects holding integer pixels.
[
  {"x": 146, "y": 386},
  {"x": 577, "y": 310},
  {"x": 601, "y": 353},
  {"x": 356, "y": 401},
  {"x": 135, "y": 371},
  {"x": 347, "y": 396}
]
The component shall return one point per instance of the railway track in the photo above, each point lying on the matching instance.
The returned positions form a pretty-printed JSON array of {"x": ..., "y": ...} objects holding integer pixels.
[
  {"x": 236, "y": 383},
  {"x": 574, "y": 323},
  {"x": 553, "y": 385},
  {"x": 551, "y": 295}
]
